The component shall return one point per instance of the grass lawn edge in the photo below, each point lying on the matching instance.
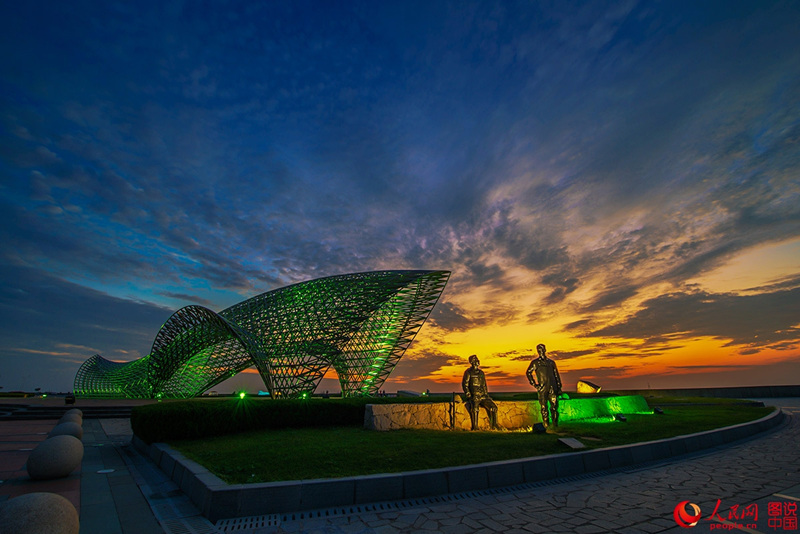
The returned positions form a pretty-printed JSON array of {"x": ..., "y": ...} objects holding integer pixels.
[{"x": 693, "y": 441}]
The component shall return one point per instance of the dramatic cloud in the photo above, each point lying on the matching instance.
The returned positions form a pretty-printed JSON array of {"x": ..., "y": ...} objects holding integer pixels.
[
  {"x": 577, "y": 168},
  {"x": 450, "y": 317},
  {"x": 752, "y": 320},
  {"x": 424, "y": 366}
]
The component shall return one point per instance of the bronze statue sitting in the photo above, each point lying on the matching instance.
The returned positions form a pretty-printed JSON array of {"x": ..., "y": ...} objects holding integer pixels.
[{"x": 476, "y": 394}]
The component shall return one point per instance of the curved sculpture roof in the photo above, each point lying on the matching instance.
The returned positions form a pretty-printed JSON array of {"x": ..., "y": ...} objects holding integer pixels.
[{"x": 360, "y": 324}]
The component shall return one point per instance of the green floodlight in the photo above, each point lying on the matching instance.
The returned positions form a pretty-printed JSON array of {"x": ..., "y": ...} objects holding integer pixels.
[
  {"x": 242, "y": 394},
  {"x": 304, "y": 395}
]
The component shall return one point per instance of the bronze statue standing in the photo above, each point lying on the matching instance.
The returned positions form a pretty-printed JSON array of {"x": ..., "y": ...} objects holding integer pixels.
[
  {"x": 547, "y": 383},
  {"x": 476, "y": 394}
]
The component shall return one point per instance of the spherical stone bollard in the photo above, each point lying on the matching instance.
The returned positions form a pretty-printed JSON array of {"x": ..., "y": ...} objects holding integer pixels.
[
  {"x": 71, "y": 418},
  {"x": 39, "y": 512},
  {"x": 55, "y": 457},
  {"x": 75, "y": 411},
  {"x": 67, "y": 429}
]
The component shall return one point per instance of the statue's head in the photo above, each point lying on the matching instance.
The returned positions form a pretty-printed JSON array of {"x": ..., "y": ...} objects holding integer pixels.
[
  {"x": 541, "y": 349},
  {"x": 473, "y": 360}
]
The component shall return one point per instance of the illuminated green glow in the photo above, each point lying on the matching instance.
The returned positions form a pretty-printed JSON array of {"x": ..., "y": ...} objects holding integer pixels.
[
  {"x": 242, "y": 394},
  {"x": 360, "y": 324},
  {"x": 602, "y": 408}
]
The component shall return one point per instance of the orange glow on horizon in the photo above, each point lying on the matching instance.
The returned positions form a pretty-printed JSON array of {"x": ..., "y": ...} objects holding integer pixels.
[{"x": 505, "y": 331}]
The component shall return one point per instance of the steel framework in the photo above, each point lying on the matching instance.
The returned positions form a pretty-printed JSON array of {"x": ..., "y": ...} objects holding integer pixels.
[{"x": 360, "y": 324}]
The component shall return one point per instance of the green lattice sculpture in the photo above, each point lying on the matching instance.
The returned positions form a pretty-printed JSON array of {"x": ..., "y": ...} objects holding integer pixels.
[{"x": 360, "y": 324}]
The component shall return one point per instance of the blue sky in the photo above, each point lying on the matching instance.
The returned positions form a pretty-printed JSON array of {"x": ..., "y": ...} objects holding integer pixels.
[{"x": 592, "y": 173}]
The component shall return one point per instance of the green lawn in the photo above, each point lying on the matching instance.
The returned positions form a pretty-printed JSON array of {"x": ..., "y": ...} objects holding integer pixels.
[{"x": 293, "y": 454}]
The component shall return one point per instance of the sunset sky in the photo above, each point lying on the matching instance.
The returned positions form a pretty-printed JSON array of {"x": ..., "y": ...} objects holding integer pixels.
[{"x": 617, "y": 180}]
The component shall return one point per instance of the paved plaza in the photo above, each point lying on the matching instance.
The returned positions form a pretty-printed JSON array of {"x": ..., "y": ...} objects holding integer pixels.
[{"x": 753, "y": 483}]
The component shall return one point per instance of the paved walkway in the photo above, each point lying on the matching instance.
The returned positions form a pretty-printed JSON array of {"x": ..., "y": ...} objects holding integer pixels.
[
  {"x": 119, "y": 491},
  {"x": 111, "y": 500}
]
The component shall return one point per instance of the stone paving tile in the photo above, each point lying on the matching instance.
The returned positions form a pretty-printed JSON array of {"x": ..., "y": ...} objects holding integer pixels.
[
  {"x": 355, "y": 528},
  {"x": 420, "y": 520},
  {"x": 404, "y": 520},
  {"x": 575, "y": 522},
  {"x": 477, "y": 516},
  {"x": 437, "y": 515},
  {"x": 475, "y": 525},
  {"x": 493, "y": 525},
  {"x": 559, "y": 514},
  {"x": 649, "y": 527},
  {"x": 630, "y": 530},
  {"x": 377, "y": 523},
  {"x": 430, "y": 525},
  {"x": 665, "y": 523},
  {"x": 456, "y": 529},
  {"x": 550, "y": 521},
  {"x": 608, "y": 526},
  {"x": 559, "y": 528}
]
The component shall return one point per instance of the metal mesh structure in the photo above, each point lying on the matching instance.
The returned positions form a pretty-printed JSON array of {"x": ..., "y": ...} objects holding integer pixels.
[{"x": 360, "y": 324}]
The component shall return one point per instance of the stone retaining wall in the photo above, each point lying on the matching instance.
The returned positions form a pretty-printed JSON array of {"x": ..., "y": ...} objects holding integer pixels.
[
  {"x": 511, "y": 415},
  {"x": 448, "y": 415}
]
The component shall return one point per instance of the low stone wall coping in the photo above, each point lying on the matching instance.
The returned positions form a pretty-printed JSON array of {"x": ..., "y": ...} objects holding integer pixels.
[{"x": 218, "y": 500}]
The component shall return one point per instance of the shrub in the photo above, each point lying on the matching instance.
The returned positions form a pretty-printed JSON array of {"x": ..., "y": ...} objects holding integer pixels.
[{"x": 201, "y": 418}]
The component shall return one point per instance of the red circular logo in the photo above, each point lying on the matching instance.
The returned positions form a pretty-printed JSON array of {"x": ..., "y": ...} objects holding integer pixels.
[{"x": 683, "y": 518}]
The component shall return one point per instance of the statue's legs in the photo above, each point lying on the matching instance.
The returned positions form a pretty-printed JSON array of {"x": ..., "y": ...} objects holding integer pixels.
[
  {"x": 554, "y": 405},
  {"x": 473, "y": 408},
  {"x": 491, "y": 411},
  {"x": 543, "y": 406}
]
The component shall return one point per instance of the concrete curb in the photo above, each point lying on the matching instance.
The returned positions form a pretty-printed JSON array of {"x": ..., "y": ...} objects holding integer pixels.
[{"x": 219, "y": 500}]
